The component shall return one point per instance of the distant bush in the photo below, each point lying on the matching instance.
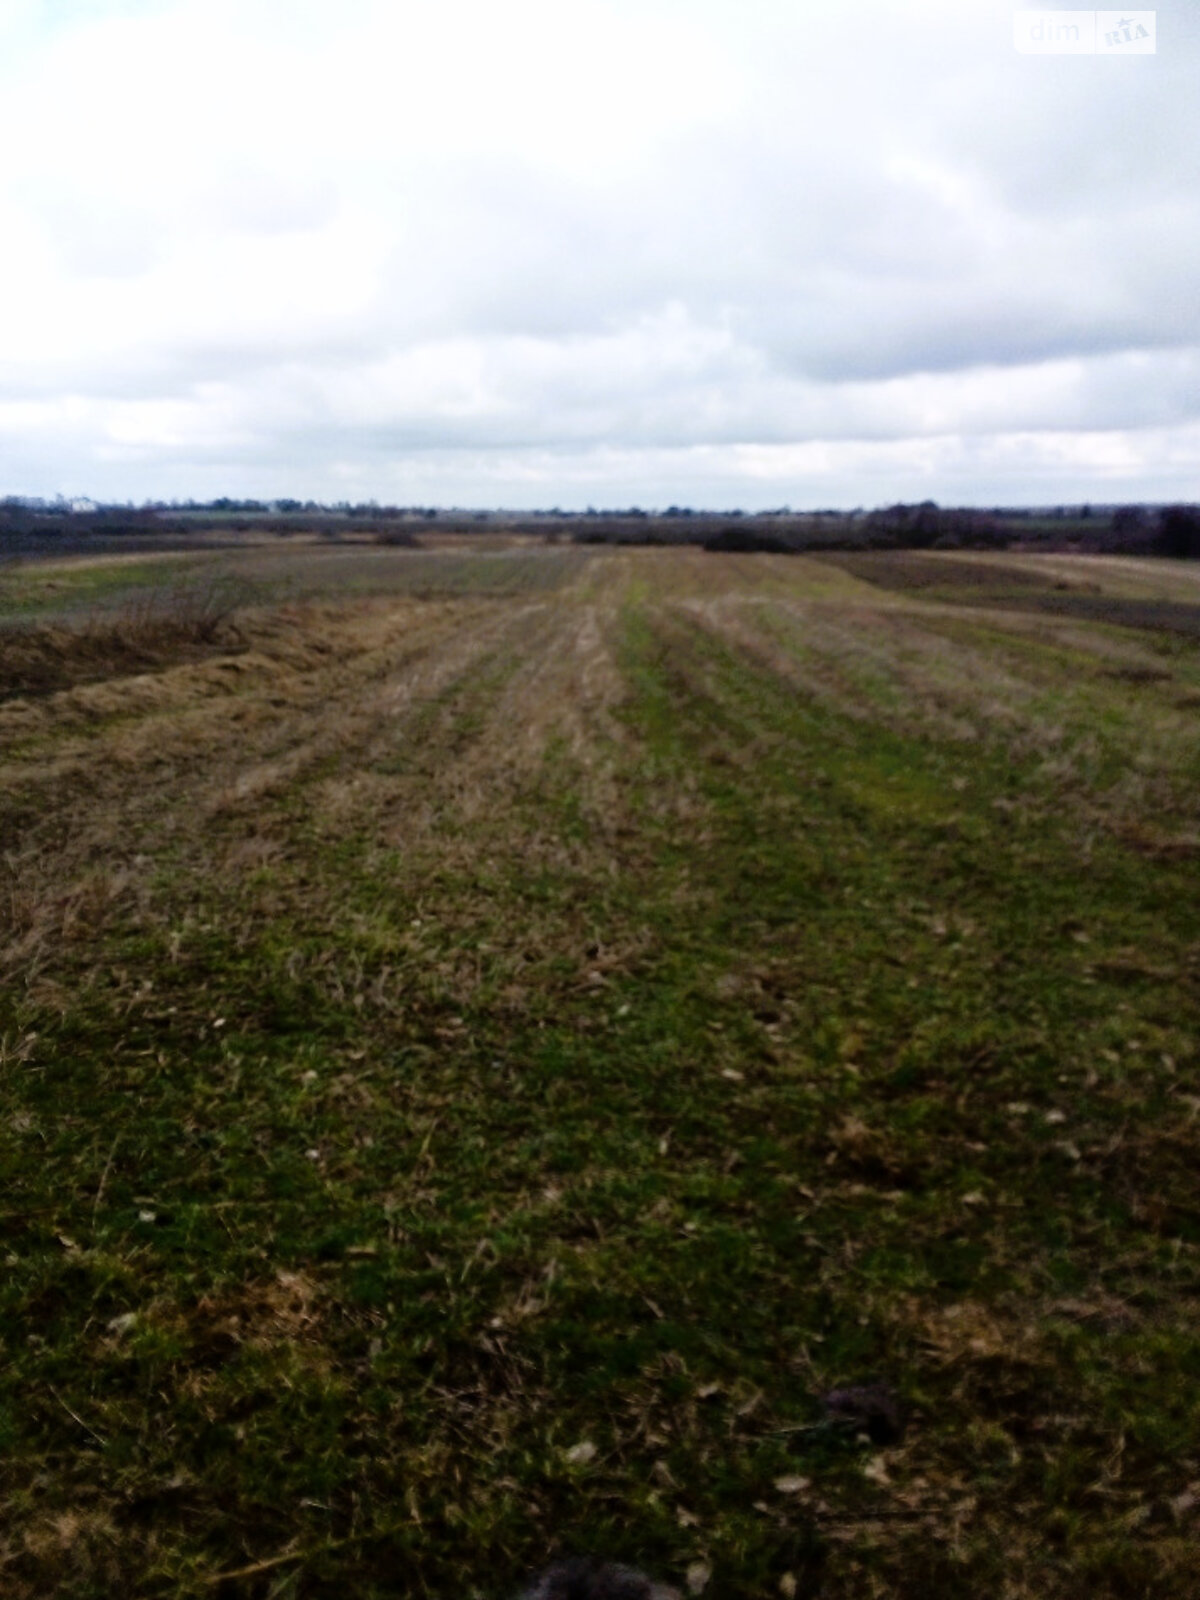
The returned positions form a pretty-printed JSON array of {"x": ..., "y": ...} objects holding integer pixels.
[
  {"x": 926, "y": 526},
  {"x": 1129, "y": 525},
  {"x": 916, "y": 527},
  {"x": 1179, "y": 532},
  {"x": 745, "y": 538}
]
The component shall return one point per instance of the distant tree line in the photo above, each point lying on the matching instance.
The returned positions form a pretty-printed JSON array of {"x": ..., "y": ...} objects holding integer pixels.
[{"x": 1172, "y": 531}]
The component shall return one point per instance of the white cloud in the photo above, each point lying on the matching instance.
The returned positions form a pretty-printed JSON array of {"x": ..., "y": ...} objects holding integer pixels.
[{"x": 693, "y": 246}]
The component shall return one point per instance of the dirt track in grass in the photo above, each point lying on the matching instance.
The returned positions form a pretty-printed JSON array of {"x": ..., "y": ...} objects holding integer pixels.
[{"x": 490, "y": 1038}]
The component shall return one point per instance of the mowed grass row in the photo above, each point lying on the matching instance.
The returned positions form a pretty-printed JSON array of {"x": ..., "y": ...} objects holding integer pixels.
[
  {"x": 497, "y": 1130},
  {"x": 290, "y": 569}
]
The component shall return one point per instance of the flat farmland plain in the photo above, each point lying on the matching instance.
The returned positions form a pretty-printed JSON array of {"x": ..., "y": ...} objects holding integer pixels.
[{"x": 489, "y": 1038}]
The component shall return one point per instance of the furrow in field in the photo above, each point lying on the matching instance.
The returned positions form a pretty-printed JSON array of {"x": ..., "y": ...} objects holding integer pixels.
[
  {"x": 862, "y": 661},
  {"x": 88, "y": 817},
  {"x": 1064, "y": 698},
  {"x": 540, "y": 695}
]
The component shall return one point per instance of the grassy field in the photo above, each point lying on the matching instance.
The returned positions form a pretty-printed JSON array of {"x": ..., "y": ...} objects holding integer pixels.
[{"x": 488, "y": 1040}]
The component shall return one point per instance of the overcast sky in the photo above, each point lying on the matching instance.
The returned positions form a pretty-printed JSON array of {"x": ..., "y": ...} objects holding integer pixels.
[{"x": 561, "y": 252}]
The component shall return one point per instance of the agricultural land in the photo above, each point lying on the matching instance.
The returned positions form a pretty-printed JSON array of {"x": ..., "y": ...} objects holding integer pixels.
[{"x": 489, "y": 1037}]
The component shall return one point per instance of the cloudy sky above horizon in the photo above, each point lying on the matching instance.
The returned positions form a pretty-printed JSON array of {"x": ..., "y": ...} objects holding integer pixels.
[{"x": 572, "y": 252}]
